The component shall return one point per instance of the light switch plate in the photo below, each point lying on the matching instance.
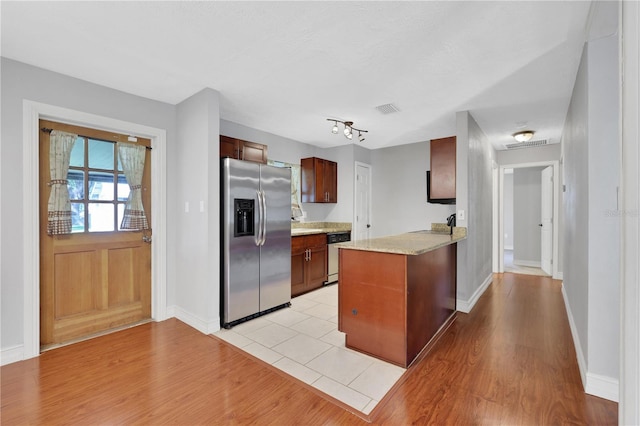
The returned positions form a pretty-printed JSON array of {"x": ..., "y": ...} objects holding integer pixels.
[{"x": 460, "y": 214}]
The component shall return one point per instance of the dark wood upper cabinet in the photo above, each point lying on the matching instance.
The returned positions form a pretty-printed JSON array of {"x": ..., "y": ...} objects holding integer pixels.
[
  {"x": 319, "y": 180},
  {"x": 242, "y": 150},
  {"x": 443, "y": 171}
]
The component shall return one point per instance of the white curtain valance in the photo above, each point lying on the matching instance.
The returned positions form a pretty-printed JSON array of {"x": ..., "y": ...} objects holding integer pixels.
[
  {"x": 59, "y": 206},
  {"x": 132, "y": 160}
]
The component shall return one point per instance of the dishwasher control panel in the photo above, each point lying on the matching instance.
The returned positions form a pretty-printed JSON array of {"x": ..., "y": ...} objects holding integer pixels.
[{"x": 338, "y": 237}]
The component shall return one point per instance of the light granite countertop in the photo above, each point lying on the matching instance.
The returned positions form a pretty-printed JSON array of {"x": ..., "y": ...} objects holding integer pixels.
[
  {"x": 411, "y": 243},
  {"x": 310, "y": 228}
]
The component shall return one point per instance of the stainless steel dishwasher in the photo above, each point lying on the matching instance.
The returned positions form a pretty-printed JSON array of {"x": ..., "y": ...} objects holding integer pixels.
[{"x": 332, "y": 239}]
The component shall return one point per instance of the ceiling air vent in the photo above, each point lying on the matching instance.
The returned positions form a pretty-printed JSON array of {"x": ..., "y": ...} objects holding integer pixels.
[
  {"x": 387, "y": 108},
  {"x": 528, "y": 144}
]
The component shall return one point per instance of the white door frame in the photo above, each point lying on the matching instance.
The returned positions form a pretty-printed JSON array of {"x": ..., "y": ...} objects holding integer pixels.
[
  {"x": 355, "y": 195},
  {"x": 544, "y": 205},
  {"x": 498, "y": 249},
  {"x": 32, "y": 112}
]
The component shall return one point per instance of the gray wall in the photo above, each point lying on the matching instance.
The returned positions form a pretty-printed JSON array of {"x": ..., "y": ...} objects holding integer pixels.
[
  {"x": 474, "y": 181},
  {"x": 197, "y": 244},
  {"x": 527, "y": 192},
  {"x": 604, "y": 220},
  {"x": 576, "y": 196},
  {"x": 399, "y": 199},
  {"x": 591, "y": 224},
  {"x": 19, "y": 82}
]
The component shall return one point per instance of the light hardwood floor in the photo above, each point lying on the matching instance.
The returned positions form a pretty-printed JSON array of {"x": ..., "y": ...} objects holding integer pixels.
[{"x": 510, "y": 361}]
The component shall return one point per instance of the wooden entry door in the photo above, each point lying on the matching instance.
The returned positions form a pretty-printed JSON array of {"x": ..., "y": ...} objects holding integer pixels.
[{"x": 98, "y": 277}]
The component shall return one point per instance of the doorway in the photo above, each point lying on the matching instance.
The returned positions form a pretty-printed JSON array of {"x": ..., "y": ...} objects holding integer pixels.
[
  {"x": 362, "y": 208},
  {"x": 527, "y": 226},
  {"x": 32, "y": 113}
]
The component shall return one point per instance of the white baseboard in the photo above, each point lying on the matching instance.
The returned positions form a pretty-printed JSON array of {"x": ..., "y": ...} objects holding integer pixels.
[
  {"x": 204, "y": 327},
  {"x": 529, "y": 263},
  {"x": 582, "y": 364},
  {"x": 11, "y": 355},
  {"x": 594, "y": 384},
  {"x": 467, "y": 305},
  {"x": 602, "y": 386},
  {"x": 558, "y": 276}
]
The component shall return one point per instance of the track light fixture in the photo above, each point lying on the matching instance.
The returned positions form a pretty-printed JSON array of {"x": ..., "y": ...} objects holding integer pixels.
[{"x": 348, "y": 129}]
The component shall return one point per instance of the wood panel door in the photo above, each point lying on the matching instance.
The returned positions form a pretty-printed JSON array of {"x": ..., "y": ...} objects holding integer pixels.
[{"x": 97, "y": 278}]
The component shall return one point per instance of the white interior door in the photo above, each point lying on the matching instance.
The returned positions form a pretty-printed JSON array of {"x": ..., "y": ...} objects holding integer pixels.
[
  {"x": 546, "y": 223},
  {"x": 362, "y": 211}
]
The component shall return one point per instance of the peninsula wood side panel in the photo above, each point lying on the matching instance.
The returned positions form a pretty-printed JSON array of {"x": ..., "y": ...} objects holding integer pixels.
[
  {"x": 431, "y": 295},
  {"x": 392, "y": 305},
  {"x": 371, "y": 303}
]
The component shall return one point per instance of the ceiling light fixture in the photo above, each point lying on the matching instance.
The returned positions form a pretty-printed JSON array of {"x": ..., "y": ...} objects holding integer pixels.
[
  {"x": 348, "y": 129},
  {"x": 523, "y": 136}
]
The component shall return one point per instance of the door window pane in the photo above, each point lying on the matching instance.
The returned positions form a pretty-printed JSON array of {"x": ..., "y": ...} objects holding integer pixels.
[
  {"x": 77, "y": 217},
  {"x": 101, "y": 154},
  {"x": 101, "y": 186},
  {"x": 75, "y": 179},
  {"x": 101, "y": 217},
  {"x": 123, "y": 188},
  {"x": 120, "y": 217},
  {"x": 77, "y": 153}
]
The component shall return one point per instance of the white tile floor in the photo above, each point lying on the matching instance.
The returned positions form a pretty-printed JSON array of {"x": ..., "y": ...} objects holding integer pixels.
[{"x": 304, "y": 342}]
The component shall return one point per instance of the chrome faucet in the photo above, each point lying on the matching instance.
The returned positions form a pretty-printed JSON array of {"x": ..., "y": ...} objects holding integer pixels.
[{"x": 451, "y": 222}]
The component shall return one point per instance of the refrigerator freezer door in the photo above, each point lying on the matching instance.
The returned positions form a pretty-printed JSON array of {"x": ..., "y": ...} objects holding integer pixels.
[
  {"x": 275, "y": 252},
  {"x": 240, "y": 254}
]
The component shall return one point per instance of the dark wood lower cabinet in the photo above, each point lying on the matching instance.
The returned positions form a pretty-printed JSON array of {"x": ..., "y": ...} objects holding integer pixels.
[
  {"x": 391, "y": 305},
  {"x": 308, "y": 263}
]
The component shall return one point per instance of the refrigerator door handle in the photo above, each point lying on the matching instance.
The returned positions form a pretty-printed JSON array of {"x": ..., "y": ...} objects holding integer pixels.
[
  {"x": 264, "y": 218},
  {"x": 260, "y": 218}
]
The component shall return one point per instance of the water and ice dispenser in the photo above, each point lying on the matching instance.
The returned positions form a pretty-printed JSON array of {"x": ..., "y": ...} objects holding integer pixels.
[{"x": 243, "y": 221}]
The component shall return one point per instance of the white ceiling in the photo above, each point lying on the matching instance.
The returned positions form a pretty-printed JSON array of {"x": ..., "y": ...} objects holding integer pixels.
[{"x": 284, "y": 67}]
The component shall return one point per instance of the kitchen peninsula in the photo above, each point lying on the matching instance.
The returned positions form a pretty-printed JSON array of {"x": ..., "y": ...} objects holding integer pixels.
[{"x": 396, "y": 293}]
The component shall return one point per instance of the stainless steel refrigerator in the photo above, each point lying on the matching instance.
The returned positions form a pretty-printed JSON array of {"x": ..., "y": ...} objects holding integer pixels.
[{"x": 256, "y": 239}]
